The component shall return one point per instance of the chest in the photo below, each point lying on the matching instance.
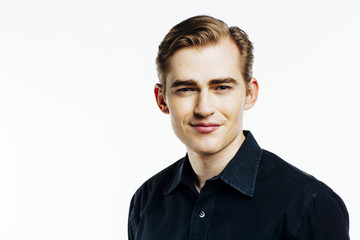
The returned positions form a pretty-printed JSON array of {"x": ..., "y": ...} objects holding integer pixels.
[{"x": 215, "y": 214}]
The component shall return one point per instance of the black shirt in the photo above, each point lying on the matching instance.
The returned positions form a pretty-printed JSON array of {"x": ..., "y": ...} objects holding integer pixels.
[{"x": 256, "y": 196}]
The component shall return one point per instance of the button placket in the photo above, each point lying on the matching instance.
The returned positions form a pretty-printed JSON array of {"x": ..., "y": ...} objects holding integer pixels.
[{"x": 201, "y": 216}]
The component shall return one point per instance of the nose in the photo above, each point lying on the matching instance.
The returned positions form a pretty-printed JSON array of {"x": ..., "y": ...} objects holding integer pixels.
[{"x": 204, "y": 107}]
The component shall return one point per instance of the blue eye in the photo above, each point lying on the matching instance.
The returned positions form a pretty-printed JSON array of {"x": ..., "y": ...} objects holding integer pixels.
[{"x": 222, "y": 88}]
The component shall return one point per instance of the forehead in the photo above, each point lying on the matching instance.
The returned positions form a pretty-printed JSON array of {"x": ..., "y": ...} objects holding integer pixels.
[{"x": 221, "y": 60}]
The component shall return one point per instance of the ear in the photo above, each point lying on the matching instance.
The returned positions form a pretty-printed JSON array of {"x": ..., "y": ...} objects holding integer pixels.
[
  {"x": 251, "y": 97},
  {"x": 160, "y": 98}
]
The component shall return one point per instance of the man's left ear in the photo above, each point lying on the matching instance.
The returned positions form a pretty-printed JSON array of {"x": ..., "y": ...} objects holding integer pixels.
[{"x": 252, "y": 93}]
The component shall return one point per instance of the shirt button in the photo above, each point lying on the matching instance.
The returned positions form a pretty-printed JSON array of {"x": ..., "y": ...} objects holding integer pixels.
[{"x": 202, "y": 214}]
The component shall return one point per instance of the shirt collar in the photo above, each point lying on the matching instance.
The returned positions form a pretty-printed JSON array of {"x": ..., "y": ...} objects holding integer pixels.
[
  {"x": 177, "y": 177},
  {"x": 184, "y": 173},
  {"x": 240, "y": 173}
]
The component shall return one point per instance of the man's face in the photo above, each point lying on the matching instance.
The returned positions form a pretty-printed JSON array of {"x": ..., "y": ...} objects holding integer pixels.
[{"x": 206, "y": 97}]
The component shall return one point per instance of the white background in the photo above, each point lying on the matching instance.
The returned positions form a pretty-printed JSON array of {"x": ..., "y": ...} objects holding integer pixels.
[{"x": 80, "y": 130}]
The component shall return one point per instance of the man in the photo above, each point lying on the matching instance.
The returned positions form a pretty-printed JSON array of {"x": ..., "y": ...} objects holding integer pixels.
[{"x": 226, "y": 187}]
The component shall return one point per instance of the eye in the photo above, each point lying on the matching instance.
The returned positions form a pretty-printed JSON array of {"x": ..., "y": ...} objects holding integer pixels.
[
  {"x": 222, "y": 88},
  {"x": 185, "y": 90}
]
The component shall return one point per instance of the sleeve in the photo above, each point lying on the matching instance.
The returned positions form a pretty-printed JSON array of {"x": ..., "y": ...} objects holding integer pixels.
[
  {"x": 325, "y": 217},
  {"x": 130, "y": 220}
]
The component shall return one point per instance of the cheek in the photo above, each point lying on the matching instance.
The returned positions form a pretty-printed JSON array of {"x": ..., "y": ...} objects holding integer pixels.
[
  {"x": 233, "y": 108},
  {"x": 180, "y": 110}
]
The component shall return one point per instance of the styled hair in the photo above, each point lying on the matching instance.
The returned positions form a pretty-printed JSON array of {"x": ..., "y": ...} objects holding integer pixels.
[{"x": 202, "y": 31}]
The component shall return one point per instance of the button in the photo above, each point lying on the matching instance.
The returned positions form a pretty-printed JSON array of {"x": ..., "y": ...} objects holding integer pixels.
[{"x": 202, "y": 214}]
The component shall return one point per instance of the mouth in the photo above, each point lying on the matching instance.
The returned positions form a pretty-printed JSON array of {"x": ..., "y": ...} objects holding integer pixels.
[{"x": 205, "y": 127}]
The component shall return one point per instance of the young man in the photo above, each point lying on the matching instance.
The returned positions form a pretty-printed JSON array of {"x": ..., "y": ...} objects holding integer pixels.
[{"x": 226, "y": 187}]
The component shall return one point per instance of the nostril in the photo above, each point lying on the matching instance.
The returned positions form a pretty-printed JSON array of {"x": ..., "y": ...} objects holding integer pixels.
[{"x": 199, "y": 116}]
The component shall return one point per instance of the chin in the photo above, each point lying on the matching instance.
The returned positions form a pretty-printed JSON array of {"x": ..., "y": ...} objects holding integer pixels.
[{"x": 206, "y": 149}]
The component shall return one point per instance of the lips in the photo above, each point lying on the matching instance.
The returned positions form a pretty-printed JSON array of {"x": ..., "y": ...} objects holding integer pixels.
[{"x": 205, "y": 127}]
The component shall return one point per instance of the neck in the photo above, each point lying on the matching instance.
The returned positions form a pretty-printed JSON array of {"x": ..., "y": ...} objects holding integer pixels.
[{"x": 206, "y": 166}]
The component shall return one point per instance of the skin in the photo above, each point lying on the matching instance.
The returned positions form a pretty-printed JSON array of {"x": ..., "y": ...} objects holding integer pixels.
[{"x": 206, "y": 98}]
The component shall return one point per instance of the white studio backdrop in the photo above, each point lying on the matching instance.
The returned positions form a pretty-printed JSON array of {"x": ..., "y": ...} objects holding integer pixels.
[{"x": 80, "y": 130}]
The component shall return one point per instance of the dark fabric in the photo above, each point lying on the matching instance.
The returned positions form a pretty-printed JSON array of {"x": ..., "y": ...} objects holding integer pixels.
[{"x": 257, "y": 196}]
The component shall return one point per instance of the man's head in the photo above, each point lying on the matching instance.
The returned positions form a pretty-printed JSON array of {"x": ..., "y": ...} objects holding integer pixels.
[
  {"x": 201, "y": 31},
  {"x": 206, "y": 85}
]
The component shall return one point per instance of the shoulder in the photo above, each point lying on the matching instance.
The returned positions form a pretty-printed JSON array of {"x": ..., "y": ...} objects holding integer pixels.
[
  {"x": 311, "y": 206},
  {"x": 274, "y": 168},
  {"x": 288, "y": 180},
  {"x": 162, "y": 178},
  {"x": 150, "y": 194},
  {"x": 154, "y": 186}
]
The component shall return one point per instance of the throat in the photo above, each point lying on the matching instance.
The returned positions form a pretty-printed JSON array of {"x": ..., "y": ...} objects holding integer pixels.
[
  {"x": 208, "y": 166},
  {"x": 206, "y": 169}
]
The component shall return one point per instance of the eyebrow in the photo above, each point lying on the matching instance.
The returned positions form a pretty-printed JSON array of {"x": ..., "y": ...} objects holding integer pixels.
[
  {"x": 178, "y": 82},
  {"x": 223, "y": 80}
]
